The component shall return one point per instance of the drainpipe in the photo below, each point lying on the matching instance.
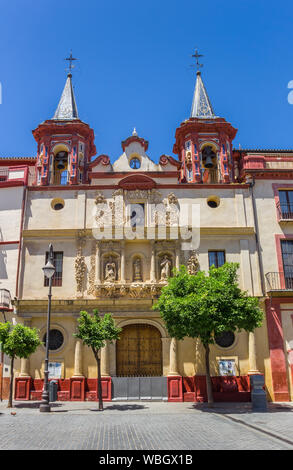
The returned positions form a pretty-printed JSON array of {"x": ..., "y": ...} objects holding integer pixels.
[{"x": 251, "y": 185}]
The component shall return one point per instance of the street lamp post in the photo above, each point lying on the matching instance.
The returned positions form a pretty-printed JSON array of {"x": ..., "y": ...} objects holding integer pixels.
[
  {"x": 49, "y": 270},
  {"x": 5, "y": 300}
]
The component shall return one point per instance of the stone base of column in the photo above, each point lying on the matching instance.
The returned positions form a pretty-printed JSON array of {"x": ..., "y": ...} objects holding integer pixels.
[
  {"x": 22, "y": 388},
  {"x": 106, "y": 383},
  {"x": 175, "y": 388},
  {"x": 77, "y": 388}
]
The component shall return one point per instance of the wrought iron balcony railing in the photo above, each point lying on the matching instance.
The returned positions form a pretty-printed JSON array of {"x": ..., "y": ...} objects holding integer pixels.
[
  {"x": 279, "y": 281},
  {"x": 3, "y": 174},
  {"x": 285, "y": 211}
]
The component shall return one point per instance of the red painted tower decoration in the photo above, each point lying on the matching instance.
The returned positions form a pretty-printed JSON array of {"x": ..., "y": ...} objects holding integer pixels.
[
  {"x": 65, "y": 143},
  {"x": 204, "y": 141}
]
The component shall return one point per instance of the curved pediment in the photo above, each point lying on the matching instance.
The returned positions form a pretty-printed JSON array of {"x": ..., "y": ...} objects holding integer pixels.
[{"x": 137, "y": 181}]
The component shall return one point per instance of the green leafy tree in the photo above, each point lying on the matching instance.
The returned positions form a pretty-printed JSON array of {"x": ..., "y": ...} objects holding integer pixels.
[
  {"x": 94, "y": 331},
  {"x": 17, "y": 341},
  {"x": 204, "y": 306}
]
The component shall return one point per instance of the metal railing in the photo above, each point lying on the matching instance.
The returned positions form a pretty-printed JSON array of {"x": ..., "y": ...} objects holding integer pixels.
[
  {"x": 285, "y": 211},
  {"x": 279, "y": 281},
  {"x": 3, "y": 174}
]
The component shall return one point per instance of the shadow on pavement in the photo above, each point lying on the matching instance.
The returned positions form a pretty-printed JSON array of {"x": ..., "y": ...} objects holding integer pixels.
[
  {"x": 126, "y": 407},
  {"x": 240, "y": 408},
  {"x": 34, "y": 405}
]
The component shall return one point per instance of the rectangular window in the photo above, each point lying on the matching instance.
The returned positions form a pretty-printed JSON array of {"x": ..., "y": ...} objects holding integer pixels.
[
  {"x": 286, "y": 204},
  {"x": 216, "y": 258},
  {"x": 58, "y": 263},
  {"x": 287, "y": 256}
]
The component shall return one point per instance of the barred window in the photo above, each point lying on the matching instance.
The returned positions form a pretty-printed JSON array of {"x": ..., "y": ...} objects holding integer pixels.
[{"x": 58, "y": 263}]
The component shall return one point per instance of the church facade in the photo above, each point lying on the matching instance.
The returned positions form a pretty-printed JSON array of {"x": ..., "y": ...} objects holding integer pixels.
[{"x": 119, "y": 229}]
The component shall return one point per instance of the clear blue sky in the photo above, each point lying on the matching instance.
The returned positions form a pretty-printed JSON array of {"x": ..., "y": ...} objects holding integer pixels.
[{"x": 134, "y": 68}]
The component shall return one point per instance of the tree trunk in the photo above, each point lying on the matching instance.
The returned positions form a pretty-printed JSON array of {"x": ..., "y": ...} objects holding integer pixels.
[
  {"x": 11, "y": 384},
  {"x": 208, "y": 375},
  {"x": 99, "y": 380}
]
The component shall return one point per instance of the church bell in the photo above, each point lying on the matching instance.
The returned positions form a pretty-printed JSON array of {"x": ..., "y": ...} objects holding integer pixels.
[
  {"x": 209, "y": 162},
  {"x": 61, "y": 160}
]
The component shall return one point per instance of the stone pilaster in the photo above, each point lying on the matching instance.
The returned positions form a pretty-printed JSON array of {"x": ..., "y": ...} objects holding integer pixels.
[
  {"x": 105, "y": 363},
  {"x": 173, "y": 358},
  {"x": 78, "y": 359}
]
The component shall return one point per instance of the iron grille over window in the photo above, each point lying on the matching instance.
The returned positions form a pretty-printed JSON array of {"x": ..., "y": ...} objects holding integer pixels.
[
  {"x": 285, "y": 206},
  {"x": 56, "y": 339},
  {"x": 58, "y": 263},
  {"x": 287, "y": 255},
  {"x": 216, "y": 258}
]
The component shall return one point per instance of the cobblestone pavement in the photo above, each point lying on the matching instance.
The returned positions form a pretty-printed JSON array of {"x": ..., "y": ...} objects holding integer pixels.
[{"x": 146, "y": 426}]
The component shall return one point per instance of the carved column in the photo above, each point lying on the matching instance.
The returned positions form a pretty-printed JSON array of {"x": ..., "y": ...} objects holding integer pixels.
[
  {"x": 105, "y": 363},
  {"x": 153, "y": 263},
  {"x": 122, "y": 261},
  {"x": 173, "y": 358},
  {"x": 78, "y": 359},
  {"x": 98, "y": 265},
  {"x": 252, "y": 354}
]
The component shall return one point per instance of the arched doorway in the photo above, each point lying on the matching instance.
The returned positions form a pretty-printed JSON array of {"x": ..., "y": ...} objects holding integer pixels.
[{"x": 139, "y": 351}]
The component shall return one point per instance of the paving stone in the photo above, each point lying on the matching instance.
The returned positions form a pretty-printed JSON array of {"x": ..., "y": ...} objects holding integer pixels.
[{"x": 145, "y": 426}]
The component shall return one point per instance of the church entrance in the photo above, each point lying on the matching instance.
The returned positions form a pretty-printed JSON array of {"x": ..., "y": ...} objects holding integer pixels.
[
  {"x": 139, "y": 352},
  {"x": 139, "y": 364}
]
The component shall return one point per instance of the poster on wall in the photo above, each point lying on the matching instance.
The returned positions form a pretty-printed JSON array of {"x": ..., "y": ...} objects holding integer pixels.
[
  {"x": 55, "y": 370},
  {"x": 227, "y": 367}
]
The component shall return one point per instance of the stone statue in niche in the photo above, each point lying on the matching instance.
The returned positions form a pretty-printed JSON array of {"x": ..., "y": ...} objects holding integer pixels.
[
  {"x": 165, "y": 266},
  {"x": 137, "y": 270},
  {"x": 110, "y": 271}
]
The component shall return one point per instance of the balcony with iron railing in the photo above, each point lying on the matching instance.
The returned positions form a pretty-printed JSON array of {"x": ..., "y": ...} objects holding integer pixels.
[
  {"x": 279, "y": 281},
  {"x": 3, "y": 174},
  {"x": 285, "y": 211}
]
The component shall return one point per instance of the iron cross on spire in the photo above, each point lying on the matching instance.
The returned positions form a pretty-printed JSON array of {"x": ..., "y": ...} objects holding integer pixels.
[
  {"x": 196, "y": 55},
  {"x": 70, "y": 60}
]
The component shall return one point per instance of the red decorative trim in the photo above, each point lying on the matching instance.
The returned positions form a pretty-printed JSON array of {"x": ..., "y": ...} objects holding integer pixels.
[
  {"x": 103, "y": 159},
  {"x": 165, "y": 159},
  {"x": 14, "y": 242},
  {"x": 17, "y": 161},
  {"x": 11, "y": 183},
  {"x": 125, "y": 143},
  {"x": 225, "y": 388},
  {"x": 138, "y": 181},
  {"x": 277, "y": 353},
  {"x": 153, "y": 174}
]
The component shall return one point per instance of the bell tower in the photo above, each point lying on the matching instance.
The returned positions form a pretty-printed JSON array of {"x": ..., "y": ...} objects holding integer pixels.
[
  {"x": 65, "y": 144},
  {"x": 204, "y": 141}
]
